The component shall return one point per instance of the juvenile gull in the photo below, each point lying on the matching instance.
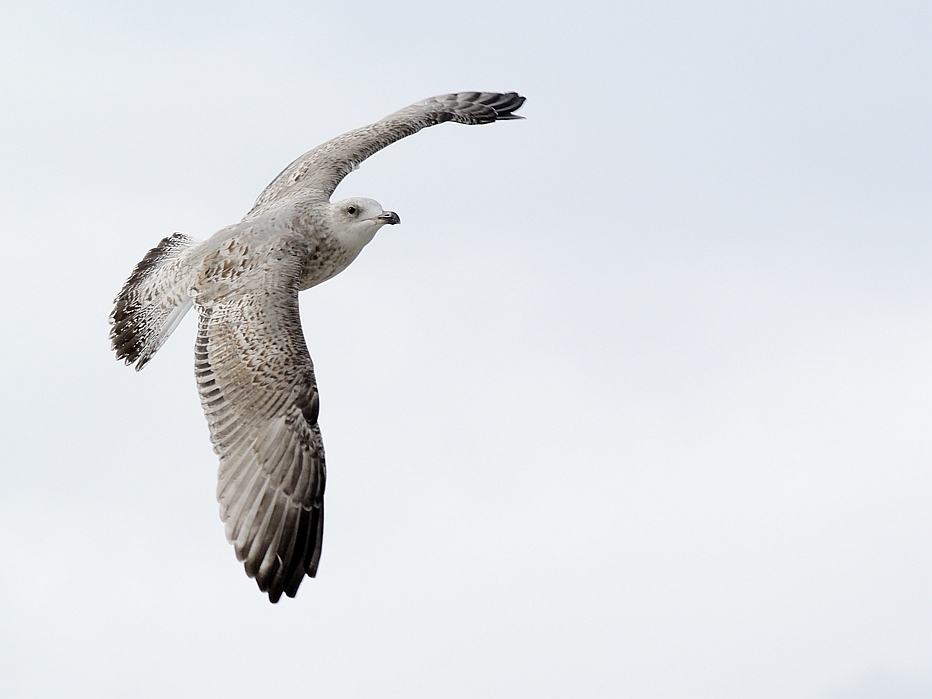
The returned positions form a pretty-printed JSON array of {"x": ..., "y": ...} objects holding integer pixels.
[{"x": 254, "y": 372}]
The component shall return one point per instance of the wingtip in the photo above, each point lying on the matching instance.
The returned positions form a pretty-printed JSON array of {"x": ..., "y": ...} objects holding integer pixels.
[
  {"x": 506, "y": 112},
  {"x": 506, "y": 103}
]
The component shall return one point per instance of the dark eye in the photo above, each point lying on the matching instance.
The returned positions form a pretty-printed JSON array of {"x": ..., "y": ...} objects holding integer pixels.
[{"x": 351, "y": 210}]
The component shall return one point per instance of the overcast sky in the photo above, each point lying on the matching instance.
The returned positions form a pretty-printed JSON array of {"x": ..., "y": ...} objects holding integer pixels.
[{"x": 637, "y": 402}]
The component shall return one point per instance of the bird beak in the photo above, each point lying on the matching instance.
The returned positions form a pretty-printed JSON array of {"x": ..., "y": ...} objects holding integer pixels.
[{"x": 389, "y": 217}]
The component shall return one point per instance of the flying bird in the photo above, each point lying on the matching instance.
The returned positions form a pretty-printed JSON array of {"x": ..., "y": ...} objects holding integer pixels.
[{"x": 253, "y": 369}]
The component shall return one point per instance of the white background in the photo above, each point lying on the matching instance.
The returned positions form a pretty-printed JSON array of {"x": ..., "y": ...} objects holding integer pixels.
[{"x": 635, "y": 403}]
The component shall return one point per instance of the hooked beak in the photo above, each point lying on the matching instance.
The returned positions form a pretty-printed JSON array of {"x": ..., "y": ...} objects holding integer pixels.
[{"x": 389, "y": 217}]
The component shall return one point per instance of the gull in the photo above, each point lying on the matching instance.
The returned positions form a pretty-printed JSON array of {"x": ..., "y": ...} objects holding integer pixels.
[{"x": 253, "y": 369}]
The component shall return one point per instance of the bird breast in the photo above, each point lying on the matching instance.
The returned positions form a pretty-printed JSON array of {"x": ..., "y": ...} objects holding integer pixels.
[{"x": 326, "y": 260}]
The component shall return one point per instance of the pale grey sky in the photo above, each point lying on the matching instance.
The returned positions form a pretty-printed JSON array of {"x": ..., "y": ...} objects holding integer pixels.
[{"x": 635, "y": 403}]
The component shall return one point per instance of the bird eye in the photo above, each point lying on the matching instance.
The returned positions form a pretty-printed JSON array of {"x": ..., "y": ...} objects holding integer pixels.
[{"x": 351, "y": 210}]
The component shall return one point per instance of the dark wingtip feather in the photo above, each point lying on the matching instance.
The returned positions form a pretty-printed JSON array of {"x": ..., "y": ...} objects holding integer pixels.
[
  {"x": 477, "y": 107},
  {"x": 287, "y": 577},
  {"x": 505, "y": 104}
]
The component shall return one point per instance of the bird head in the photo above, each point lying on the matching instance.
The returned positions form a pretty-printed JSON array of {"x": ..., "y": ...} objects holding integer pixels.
[{"x": 356, "y": 220}]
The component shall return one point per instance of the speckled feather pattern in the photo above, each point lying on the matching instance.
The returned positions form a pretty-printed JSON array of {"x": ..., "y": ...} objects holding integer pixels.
[
  {"x": 317, "y": 173},
  {"x": 152, "y": 302},
  {"x": 253, "y": 369}
]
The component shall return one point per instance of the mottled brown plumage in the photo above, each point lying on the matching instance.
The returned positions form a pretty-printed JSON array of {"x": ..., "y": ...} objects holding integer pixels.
[{"x": 254, "y": 373}]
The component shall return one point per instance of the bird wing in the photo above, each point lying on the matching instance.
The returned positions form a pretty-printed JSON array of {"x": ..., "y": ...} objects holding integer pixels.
[
  {"x": 319, "y": 171},
  {"x": 256, "y": 382}
]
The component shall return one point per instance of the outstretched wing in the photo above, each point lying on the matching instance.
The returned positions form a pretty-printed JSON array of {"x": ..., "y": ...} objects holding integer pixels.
[
  {"x": 318, "y": 172},
  {"x": 257, "y": 388}
]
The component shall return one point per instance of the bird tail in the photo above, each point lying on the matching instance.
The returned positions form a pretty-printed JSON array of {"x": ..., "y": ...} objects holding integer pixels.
[{"x": 152, "y": 302}]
